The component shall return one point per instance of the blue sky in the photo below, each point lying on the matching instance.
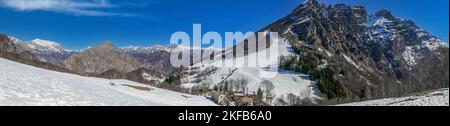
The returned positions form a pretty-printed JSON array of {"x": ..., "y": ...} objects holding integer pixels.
[{"x": 77, "y": 24}]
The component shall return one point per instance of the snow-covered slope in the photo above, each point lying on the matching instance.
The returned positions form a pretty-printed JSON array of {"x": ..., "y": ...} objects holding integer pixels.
[
  {"x": 432, "y": 98},
  {"x": 285, "y": 82},
  {"x": 26, "y": 85}
]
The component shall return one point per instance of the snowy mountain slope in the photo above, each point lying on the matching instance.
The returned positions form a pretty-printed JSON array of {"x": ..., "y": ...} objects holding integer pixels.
[
  {"x": 432, "y": 98},
  {"x": 26, "y": 85},
  {"x": 285, "y": 82}
]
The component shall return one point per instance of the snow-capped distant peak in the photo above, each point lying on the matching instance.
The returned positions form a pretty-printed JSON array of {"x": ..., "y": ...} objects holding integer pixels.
[
  {"x": 167, "y": 48},
  {"x": 146, "y": 49},
  {"x": 45, "y": 45},
  {"x": 184, "y": 47}
]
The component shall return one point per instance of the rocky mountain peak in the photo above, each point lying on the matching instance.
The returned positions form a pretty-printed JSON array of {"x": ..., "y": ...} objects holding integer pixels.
[
  {"x": 101, "y": 58},
  {"x": 308, "y": 7},
  {"x": 311, "y": 3},
  {"x": 6, "y": 44},
  {"x": 385, "y": 14},
  {"x": 107, "y": 44}
]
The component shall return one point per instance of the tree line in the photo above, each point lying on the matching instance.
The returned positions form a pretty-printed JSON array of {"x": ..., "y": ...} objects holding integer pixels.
[{"x": 309, "y": 64}]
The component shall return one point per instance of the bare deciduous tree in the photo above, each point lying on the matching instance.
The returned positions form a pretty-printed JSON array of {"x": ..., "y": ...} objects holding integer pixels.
[
  {"x": 280, "y": 101},
  {"x": 292, "y": 99},
  {"x": 244, "y": 84},
  {"x": 268, "y": 87}
]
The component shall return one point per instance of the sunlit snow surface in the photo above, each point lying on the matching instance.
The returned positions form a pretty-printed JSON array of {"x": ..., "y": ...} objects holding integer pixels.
[
  {"x": 285, "y": 82},
  {"x": 29, "y": 86},
  {"x": 431, "y": 98}
]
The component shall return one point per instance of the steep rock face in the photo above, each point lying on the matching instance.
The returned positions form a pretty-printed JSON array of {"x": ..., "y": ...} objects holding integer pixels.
[
  {"x": 12, "y": 44},
  {"x": 102, "y": 58},
  {"x": 413, "y": 55},
  {"x": 372, "y": 54},
  {"x": 13, "y": 49}
]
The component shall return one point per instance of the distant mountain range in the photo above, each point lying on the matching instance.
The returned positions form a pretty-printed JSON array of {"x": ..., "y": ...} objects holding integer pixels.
[{"x": 105, "y": 60}]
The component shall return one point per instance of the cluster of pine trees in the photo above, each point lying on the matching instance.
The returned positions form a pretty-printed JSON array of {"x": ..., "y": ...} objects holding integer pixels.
[
  {"x": 324, "y": 76},
  {"x": 173, "y": 79}
]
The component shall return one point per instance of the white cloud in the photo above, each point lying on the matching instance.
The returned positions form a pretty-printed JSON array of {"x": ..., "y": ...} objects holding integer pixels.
[{"x": 76, "y": 7}]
